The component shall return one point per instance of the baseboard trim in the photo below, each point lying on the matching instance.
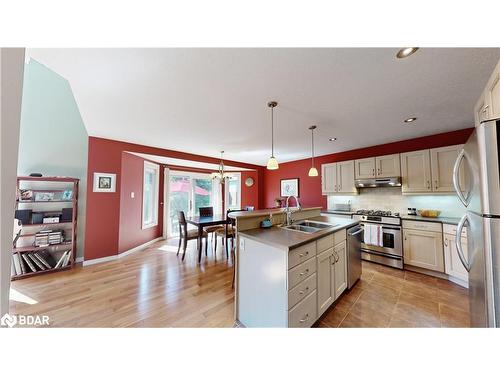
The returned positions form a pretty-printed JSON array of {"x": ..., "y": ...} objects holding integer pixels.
[
  {"x": 79, "y": 260},
  {"x": 440, "y": 275},
  {"x": 121, "y": 255}
]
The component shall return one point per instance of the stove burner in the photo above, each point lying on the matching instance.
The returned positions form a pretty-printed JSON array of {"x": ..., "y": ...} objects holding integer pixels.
[{"x": 376, "y": 213}]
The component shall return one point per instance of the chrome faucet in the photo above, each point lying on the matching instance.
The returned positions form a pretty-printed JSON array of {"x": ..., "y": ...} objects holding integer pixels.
[{"x": 288, "y": 213}]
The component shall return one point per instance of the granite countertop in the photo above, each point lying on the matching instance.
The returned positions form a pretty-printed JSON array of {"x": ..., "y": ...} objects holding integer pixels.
[
  {"x": 338, "y": 212},
  {"x": 289, "y": 239},
  {"x": 265, "y": 212},
  {"x": 439, "y": 219}
]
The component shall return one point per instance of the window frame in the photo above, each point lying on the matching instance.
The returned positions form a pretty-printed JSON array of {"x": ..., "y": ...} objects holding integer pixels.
[
  {"x": 236, "y": 176},
  {"x": 148, "y": 167}
]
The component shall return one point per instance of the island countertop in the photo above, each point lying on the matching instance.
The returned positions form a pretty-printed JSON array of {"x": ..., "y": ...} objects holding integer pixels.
[
  {"x": 268, "y": 211},
  {"x": 290, "y": 239}
]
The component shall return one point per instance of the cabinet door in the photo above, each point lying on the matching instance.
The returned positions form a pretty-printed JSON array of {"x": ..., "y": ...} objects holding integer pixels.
[
  {"x": 328, "y": 178},
  {"x": 326, "y": 280},
  {"x": 416, "y": 172},
  {"x": 452, "y": 264},
  {"x": 423, "y": 249},
  {"x": 388, "y": 166},
  {"x": 345, "y": 177},
  {"x": 442, "y": 163},
  {"x": 480, "y": 110},
  {"x": 492, "y": 94},
  {"x": 365, "y": 168},
  {"x": 340, "y": 273}
]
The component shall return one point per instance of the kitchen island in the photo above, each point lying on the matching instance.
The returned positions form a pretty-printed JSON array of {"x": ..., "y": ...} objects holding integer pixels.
[{"x": 289, "y": 278}]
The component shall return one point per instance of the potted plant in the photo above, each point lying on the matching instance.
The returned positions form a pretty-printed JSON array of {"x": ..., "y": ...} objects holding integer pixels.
[{"x": 277, "y": 202}]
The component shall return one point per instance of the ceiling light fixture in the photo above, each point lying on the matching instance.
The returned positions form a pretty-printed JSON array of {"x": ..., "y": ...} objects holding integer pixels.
[
  {"x": 313, "y": 172},
  {"x": 272, "y": 163},
  {"x": 221, "y": 173},
  {"x": 411, "y": 119},
  {"x": 405, "y": 52},
  {"x": 332, "y": 139}
]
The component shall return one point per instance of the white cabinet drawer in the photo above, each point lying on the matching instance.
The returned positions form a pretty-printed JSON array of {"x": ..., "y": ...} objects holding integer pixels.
[
  {"x": 339, "y": 237},
  {"x": 301, "y": 272},
  {"x": 422, "y": 225},
  {"x": 324, "y": 243},
  {"x": 452, "y": 229},
  {"x": 301, "y": 254},
  {"x": 298, "y": 293},
  {"x": 304, "y": 314}
]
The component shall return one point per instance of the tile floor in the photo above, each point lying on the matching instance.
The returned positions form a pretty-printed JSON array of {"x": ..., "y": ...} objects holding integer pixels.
[{"x": 387, "y": 297}]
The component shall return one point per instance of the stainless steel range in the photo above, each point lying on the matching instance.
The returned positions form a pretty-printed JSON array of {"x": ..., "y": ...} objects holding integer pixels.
[{"x": 389, "y": 250}]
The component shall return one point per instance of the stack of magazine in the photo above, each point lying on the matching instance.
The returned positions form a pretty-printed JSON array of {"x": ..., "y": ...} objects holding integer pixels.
[{"x": 35, "y": 261}]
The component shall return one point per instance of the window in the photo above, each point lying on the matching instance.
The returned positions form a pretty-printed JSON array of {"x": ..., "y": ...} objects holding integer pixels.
[
  {"x": 150, "y": 195},
  {"x": 233, "y": 192}
]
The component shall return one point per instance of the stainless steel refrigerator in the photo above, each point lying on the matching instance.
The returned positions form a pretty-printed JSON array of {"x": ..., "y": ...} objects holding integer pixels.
[{"x": 476, "y": 177}]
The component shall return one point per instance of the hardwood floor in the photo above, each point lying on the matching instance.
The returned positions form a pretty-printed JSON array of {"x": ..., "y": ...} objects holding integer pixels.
[{"x": 154, "y": 288}]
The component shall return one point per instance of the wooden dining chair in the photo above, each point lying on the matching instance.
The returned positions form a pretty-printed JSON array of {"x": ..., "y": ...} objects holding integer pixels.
[
  {"x": 187, "y": 235},
  {"x": 209, "y": 212}
]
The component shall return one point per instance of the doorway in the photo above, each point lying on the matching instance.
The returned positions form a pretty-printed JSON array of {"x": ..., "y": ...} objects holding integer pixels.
[{"x": 188, "y": 191}]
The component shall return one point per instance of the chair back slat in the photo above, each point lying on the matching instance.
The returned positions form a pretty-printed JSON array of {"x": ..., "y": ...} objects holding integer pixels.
[
  {"x": 181, "y": 217},
  {"x": 206, "y": 211}
]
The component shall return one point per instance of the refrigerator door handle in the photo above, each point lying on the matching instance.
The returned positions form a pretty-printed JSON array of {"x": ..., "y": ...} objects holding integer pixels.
[
  {"x": 458, "y": 242},
  {"x": 456, "y": 179}
]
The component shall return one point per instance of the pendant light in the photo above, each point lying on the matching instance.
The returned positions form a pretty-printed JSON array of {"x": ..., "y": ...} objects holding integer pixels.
[
  {"x": 313, "y": 172},
  {"x": 272, "y": 163}
]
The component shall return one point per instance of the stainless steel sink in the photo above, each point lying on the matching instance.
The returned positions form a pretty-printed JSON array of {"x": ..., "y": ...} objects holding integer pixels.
[{"x": 308, "y": 226}]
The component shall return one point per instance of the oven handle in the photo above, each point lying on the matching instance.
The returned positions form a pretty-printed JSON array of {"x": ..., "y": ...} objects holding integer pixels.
[
  {"x": 357, "y": 232},
  {"x": 384, "y": 226},
  {"x": 392, "y": 256}
]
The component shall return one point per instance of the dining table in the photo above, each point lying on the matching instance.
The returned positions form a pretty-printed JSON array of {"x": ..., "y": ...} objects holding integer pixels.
[{"x": 205, "y": 221}]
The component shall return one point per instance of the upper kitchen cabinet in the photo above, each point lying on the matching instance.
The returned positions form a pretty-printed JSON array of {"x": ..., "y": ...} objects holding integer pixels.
[
  {"x": 442, "y": 163},
  {"x": 388, "y": 166},
  {"x": 416, "y": 172},
  {"x": 488, "y": 105},
  {"x": 365, "y": 168},
  {"x": 338, "y": 178},
  {"x": 329, "y": 178}
]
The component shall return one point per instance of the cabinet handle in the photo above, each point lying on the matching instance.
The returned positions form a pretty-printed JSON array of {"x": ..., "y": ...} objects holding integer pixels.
[
  {"x": 305, "y": 272},
  {"x": 428, "y": 185},
  {"x": 446, "y": 242},
  {"x": 305, "y": 290},
  {"x": 436, "y": 183},
  {"x": 485, "y": 108},
  {"x": 373, "y": 172},
  {"x": 306, "y": 317},
  {"x": 301, "y": 255}
]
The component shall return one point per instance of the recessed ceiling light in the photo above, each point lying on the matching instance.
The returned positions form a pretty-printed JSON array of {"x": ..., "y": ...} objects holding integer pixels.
[
  {"x": 411, "y": 119},
  {"x": 405, "y": 52},
  {"x": 332, "y": 139}
]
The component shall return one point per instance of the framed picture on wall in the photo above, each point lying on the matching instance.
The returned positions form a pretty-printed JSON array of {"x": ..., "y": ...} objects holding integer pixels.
[
  {"x": 104, "y": 182},
  {"x": 290, "y": 187}
]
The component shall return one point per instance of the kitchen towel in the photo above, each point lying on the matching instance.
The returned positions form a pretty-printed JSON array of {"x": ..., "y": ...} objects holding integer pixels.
[{"x": 373, "y": 235}]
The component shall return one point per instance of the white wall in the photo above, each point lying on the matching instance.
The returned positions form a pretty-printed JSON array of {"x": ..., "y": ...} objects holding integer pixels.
[
  {"x": 11, "y": 84},
  {"x": 391, "y": 199}
]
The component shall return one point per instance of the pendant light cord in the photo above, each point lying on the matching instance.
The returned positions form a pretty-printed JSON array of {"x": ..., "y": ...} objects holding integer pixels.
[
  {"x": 312, "y": 147},
  {"x": 272, "y": 132}
]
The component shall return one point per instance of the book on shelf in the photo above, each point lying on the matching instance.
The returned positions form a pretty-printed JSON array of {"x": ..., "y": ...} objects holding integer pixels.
[
  {"x": 17, "y": 263},
  {"x": 61, "y": 260},
  {"x": 35, "y": 260},
  {"x": 12, "y": 268},
  {"x": 67, "y": 259},
  {"x": 22, "y": 263},
  {"x": 46, "y": 258},
  {"x": 28, "y": 262}
]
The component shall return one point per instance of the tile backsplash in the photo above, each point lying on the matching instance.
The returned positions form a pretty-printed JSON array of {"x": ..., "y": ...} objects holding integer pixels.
[{"x": 391, "y": 199}]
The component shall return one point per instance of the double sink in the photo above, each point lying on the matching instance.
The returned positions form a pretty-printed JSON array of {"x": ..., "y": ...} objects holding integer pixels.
[{"x": 308, "y": 226}]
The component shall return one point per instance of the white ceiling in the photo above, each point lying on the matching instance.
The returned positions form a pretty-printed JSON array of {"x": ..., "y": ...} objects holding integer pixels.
[
  {"x": 186, "y": 163},
  {"x": 206, "y": 100}
]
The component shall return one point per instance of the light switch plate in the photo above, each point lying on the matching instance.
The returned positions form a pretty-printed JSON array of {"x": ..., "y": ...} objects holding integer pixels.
[
  {"x": 132, "y": 195},
  {"x": 242, "y": 244}
]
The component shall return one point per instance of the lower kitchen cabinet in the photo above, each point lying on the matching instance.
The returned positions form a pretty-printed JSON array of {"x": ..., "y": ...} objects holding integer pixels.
[
  {"x": 340, "y": 251},
  {"x": 332, "y": 275},
  {"x": 452, "y": 264},
  {"x": 423, "y": 249}
]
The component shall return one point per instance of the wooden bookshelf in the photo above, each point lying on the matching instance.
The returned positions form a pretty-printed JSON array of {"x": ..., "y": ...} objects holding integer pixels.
[{"x": 51, "y": 207}]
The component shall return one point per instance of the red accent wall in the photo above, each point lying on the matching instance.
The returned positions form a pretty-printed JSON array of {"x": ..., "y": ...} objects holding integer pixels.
[
  {"x": 103, "y": 217},
  {"x": 250, "y": 195},
  {"x": 310, "y": 187},
  {"x": 131, "y": 233}
]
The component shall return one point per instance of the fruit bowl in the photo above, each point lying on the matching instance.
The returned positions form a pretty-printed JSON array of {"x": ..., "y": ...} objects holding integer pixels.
[{"x": 429, "y": 213}]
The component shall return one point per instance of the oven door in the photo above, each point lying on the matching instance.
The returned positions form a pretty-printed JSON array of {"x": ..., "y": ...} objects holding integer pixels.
[{"x": 392, "y": 240}]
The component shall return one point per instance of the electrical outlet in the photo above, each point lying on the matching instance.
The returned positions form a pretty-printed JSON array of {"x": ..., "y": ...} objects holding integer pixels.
[
  {"x": 132, "y": 195},
  {"x": 242, "y": 244}
]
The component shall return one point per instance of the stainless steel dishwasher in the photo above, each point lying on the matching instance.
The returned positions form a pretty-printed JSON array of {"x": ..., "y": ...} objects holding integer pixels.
[{"x": 354, "y": 239}]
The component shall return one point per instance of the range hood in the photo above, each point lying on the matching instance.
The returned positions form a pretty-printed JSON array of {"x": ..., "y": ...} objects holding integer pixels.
[{"x": 378, "y": 182}]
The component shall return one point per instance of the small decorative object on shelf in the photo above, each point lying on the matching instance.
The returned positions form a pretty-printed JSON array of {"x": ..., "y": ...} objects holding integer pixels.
[{"x": 47, "y": 208}]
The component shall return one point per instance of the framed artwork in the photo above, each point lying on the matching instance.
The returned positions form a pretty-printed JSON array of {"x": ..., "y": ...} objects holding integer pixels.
[
  {"x": 104, "y": 183},
  {"x": 290, "y": 187}
]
